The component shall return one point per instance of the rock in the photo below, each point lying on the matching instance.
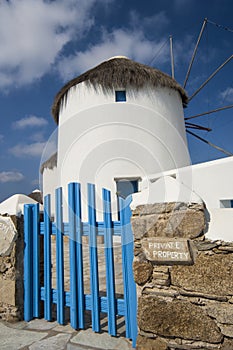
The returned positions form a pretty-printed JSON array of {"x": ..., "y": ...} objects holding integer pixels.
[
  {"x": 162, "y": 208},
  {"x": 7, "y": 291},
  {"x": 171, "y": 293},
  {"x": 148, "y": 335},
  {"x": 227, "y": 344},
  {"x": 137, "y": 244},
  {"x": 187, "y": 345},
  {"x": 161, "y": 282},
  {"x": 217, "y": 251},
  {"x": 8, "y": 235},
  {"x": 142, "y": 271},
  {"x": 3, "y": 266},
  {"x": 182, "y": 224},
  {"x": 223, "y": 312},
  {"x": 144, "y": 343},
  {"x": 138, "y": 226},
  {"x": 211, "y": 274},
  {"x": 226, "y": 248},
  {"x": 160, "y": 275},
  {"x": 185, "y": 224},
  {"x": 226, "y": 330},
  {"x": 168, "y": 220},
  {"x": 160, "y": 268},
  {"x": 205, "y": 245},
  {"x": 202, "y": 295},
  {"x": 176, "y": 318},
  {"x": 157, "y": 208}
]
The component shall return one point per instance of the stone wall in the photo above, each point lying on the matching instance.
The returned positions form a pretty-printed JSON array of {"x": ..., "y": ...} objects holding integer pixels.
[
  {"x": 184, "y": 282},
  {"x": 11, "y": 268}
]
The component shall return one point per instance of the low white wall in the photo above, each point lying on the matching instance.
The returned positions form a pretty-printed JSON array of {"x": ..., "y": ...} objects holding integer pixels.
[
  {"x": 221, "y": 224},
  {"x": 212, "y": 182}
]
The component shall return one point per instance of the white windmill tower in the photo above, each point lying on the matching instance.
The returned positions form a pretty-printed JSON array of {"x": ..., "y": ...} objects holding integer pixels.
[{"x": 118, "y": 122}]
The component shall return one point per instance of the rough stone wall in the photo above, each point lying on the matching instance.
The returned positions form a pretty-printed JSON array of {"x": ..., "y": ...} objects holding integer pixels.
[
  {"x": 182, "y": 303},
  {"x": 11, "y": 268}
]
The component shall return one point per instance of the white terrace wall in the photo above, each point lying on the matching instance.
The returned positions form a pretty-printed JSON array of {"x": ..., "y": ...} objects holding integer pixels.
[{"x": 210, "y": 182}]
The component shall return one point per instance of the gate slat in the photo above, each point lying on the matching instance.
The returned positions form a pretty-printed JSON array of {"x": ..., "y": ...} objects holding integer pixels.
[
  {"x": 94, "y": 276},
  {"x": 79, "y": 258},
  {"x": 73, "y": 268},
  {"x": 109, "y": 262},
  {"x": 59, "y": 258},
  {"x": 76, "y": 261},
  {"x": 127, "y": 261},
  {"x": 36, "y": 261},
  {"x": 28, "y": 268},
  {"x": 47, "y": 259}
]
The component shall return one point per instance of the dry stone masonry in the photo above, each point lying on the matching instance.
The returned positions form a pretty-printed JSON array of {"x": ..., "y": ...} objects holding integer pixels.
[
  {"x": 184, "y": 281},
  {"x": 11, "y": 268}
]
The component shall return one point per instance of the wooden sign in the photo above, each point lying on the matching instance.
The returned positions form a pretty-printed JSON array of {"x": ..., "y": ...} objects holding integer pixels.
[{"x": 167, "y": 251}]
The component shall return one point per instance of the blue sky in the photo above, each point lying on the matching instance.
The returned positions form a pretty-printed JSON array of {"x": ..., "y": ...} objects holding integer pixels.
[{"x": 46, "y": 43}]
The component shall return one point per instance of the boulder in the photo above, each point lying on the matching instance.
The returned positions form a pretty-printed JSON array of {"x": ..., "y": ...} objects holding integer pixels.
[
  {"x": 176, "y": 318},
  {"x": 211, "y": 274}
]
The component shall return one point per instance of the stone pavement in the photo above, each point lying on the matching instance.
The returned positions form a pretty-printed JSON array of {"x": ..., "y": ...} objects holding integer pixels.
[
  {"x": 86, "y": 267},
  {"x": 39, "y": 334}
]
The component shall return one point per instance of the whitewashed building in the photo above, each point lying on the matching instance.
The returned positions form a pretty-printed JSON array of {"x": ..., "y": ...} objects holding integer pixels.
[{"x": 117, "y": 123}]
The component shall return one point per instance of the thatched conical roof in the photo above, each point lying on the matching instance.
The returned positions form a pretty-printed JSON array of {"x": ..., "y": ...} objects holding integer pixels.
[
  {"x": 49, "y": 163},
  {"x": 37, "y": 196},
  {"x": 116, "y": 73}
]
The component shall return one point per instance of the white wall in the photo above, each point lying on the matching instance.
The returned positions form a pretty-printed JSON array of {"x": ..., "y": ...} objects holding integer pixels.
[{"x": 211, "y": 182}]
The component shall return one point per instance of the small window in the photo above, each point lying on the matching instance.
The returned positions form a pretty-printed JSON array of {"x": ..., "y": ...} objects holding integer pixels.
[
  {"x": 125, "y": 187},
  {"x": 226, "y": 203},
  {"x": 120, "y": 96}
]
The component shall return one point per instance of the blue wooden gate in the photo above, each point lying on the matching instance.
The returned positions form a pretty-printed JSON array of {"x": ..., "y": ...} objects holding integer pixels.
[{"x": 75, "y": 229}]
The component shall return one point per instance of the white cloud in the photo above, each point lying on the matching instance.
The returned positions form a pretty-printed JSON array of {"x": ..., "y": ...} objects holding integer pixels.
[
  {"x": 37, "y": 136},
  {"x": 130, "y": 43},
  {"x": 35, "y": 149},
  {"x": 29, "y": 150},
  {"x": 227, "y": 95},
  {"x": 10, "y": 176},
  {"x": 33, "y": 33},
  {"x": 31, "y": 121},
  {"x": 1, "y": 138}
]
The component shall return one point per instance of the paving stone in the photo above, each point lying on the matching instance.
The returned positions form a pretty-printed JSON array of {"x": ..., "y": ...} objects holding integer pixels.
[
  {"x": 57, "y": 342},
  {"x": 17, "y": 325},
  {"x": 76, "y": 347},
  {"x": 41, "y": 324},
  {"x": 15, "y": 339},
  {"x": 64, "y": 329},
  {"x": 100, "y": 341}
]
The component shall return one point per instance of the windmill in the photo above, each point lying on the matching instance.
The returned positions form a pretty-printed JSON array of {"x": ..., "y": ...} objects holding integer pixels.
[{"x": 189, "y": 124}]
